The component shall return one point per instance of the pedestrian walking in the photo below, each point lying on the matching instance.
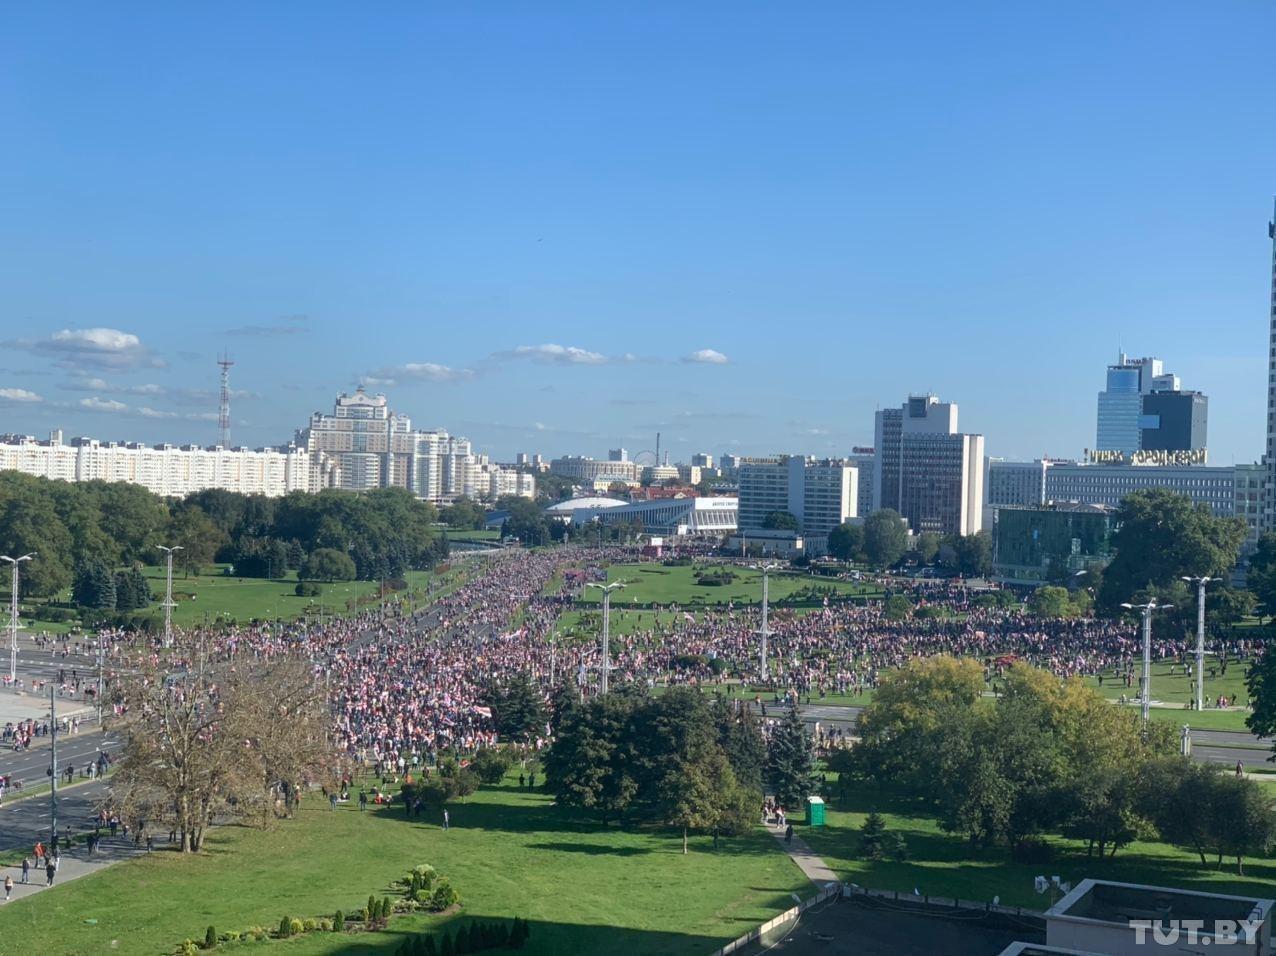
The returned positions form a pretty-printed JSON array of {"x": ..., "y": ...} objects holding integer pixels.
[
  {"x": 788, "y": 833},
  {"x": 26, "y": 870},
  {"x": 49, "y": 870},
  {"x": 447, "y": 820},
  {"x": 8, "y": 886}
]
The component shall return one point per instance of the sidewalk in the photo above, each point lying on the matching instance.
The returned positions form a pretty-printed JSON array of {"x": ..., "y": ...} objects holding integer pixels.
[
  {"x": 812, "y": 866},
  {"x": 75, "y": 864}
]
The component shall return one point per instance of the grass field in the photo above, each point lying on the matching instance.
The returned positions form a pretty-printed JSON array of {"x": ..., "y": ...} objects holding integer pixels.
[
  {"x": 944, "y": 864},
  {"x": 586, "y": 889},
  {"x": 1175, "y": 690},
  {"x": 216, "y": 596},
  {"x": 653, "y": 583}
]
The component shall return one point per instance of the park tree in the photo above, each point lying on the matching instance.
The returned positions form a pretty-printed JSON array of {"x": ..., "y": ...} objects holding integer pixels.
[
  {"x": 199, "y": 538},
  {"x": 526, "y": 521},
  {"x": 790, "y": 766},
  {"x": 781, "y": 521},
  {"x": 94, "y": 586},
  {"x": 897, "y": 607},
  {"x": 464, "y": 515},
  {"x": 491, "y": 764},
  {"x": 928, "y": 547},
  {"x": 589, "y": 764},
  {"x": 846, "y": 542},
  {"x": 30, "y": 525},
  {"x": 1261, "y": 575},
  {"x": 132, "y": 590},
  {"x": 327, "y": 564},
  {"x": 885, "y": 538},
  {"x": 971, "y": 554},
  {"x": 740, "y": 737},
  {"x": 205, "y": 744},
  {"x": 518, "y": 709},
  {"x": 1050, "y": 602},
  {"x": 1161, "y": 537},
  {"x": 1260, "y": 682}
]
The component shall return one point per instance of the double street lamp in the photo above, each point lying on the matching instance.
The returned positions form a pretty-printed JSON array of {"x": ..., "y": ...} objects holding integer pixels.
[
  {"x": 1200, "y": 637},
  {"x": 13, "y": 613},
  {"x": 1146, "y": 692},
  {"x": 606, "y": 589},
  {"x": 765, "y": 631},
  {"x": 168, "y": 594}
]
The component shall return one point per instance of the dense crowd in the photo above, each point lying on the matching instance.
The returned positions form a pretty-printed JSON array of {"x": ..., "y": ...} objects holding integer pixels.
[{"x": 405, "y": 686}]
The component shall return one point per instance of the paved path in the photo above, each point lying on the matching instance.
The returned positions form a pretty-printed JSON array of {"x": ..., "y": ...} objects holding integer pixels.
[
  {"x": 22, "y": 822},
  {"x": 74, "y": 864},
  {"x": 814, "y": 867}
]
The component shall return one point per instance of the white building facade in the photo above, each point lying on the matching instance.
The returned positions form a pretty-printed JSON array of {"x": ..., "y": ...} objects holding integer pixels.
[{"x": 166, "y": 470}]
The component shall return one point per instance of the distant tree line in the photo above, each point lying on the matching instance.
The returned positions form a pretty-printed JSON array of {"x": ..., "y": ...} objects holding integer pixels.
[{"x": 83, "y": 533}]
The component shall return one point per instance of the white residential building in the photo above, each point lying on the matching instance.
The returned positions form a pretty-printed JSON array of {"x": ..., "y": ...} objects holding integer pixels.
[
  {"x": 821, "y": 494},
  {"x": 167, "y": 470}
]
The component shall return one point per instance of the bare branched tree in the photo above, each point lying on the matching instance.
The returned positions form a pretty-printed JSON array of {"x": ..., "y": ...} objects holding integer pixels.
[{"x": 218, "y": 742}]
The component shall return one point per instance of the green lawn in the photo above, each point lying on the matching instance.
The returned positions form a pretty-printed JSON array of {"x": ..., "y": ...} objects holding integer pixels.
[
  {"x": 943, "y": 864},
  {"x": 1175, "y": 690},
  {"x": 650, "y": 583},
  {"x": 586, "y": 889},
  {"x": 242, "y": 599}
]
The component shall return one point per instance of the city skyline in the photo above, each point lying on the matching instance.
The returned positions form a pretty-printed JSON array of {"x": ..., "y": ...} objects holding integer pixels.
[{"x": 558, "y": 232}]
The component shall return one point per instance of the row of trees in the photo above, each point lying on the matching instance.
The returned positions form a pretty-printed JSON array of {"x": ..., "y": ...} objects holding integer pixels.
[
  {"x": 381, "y": 533},
  {"x": 1048, "y": 756},
  {"x": 882, "y": 541}
]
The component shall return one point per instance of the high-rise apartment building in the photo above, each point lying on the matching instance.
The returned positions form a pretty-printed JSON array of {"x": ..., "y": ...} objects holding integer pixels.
[
  {"x": 370, "y": 445},
  {"x": 926, "y": 470}
]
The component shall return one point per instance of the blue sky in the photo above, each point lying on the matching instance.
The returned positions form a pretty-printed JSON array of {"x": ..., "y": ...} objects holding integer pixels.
[{"x": 746, "y": 226}]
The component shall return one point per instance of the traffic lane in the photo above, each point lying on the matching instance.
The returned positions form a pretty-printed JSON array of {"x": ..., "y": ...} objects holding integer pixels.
[
  {"x": 1225, "y": 737},
  {"x": 25, "y": 821},
  {"x": 1231, "y": 757},
  {"x": 76, "y": 752}
]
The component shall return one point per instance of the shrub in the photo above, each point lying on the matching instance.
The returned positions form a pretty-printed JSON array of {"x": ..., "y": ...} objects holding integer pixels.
[
  {"x": 308, "y": 589},
  {"x": 257, "y": 933},
  {"x": 310, "y": 925},
  {"x": 325, "y": 924},
  {"x": 443, "y": 896},
  {"x": 210, "y": 938},
  {"x": 285, "y": 928},
  {"x": 339, "y": 922},
  {"x": 296, "y": 927},
  {"x": 187, "y": 948}
]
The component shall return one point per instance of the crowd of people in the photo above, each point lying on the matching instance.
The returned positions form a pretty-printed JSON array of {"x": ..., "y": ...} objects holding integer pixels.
[{"x": 404, "y": 687}]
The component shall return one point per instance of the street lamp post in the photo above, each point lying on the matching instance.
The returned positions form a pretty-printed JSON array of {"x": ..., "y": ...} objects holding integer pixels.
[
  {"x": 607, "y": 589},
  {"x": 168, "y": 594},
  {"x": 1146, "y": 692},
  {"x": 765, "y": 630},
  {"x": 1200, "y": 637},
  {"x": 13, "y": 614}
]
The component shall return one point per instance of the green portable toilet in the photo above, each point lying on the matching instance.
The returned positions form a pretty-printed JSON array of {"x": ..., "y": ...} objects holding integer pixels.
[{"x": 815, "y": 811}]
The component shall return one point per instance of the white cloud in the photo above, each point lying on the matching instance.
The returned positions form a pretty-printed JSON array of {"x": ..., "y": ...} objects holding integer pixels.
[
  {"x": 102, "y": 385},
  {"x": 707, "y": 357},
  {"x": 96, "y": 404},
  {"x": 93, "y": 348},
  {"x": 417, "y": 372},
  {"x": 19, "y": 395},
  {"x": 558, "y": 354}
]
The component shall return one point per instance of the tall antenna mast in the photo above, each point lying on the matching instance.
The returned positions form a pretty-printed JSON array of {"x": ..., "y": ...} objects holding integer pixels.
[{"x": 223, "y": 411}]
